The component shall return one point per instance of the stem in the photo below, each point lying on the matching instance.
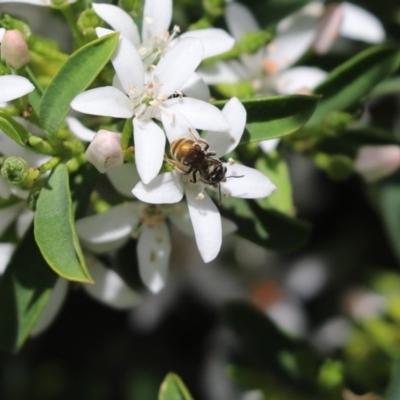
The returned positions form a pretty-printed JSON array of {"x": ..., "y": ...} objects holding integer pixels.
[
  {"x": 47, "y": 166},
  {"x": 126, "y": 134},
  {"x": 71, "y": 21}
]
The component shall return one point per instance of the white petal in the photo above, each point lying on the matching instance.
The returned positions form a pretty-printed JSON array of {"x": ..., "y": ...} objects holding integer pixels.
[
  {"x": 224, "y": 142},
  {"x": 43, "y": 3},
  {"x": 240, "y": 20},
  {"x": 149, "y": 141},
  {"x": 80, "y": 130},
  {"x": 223, "y": 72},
  {"x": 124, "y": 178},
  {"x": 359, "y": 24},
  {"x": 108, "y": 287},
  {"x": 13, "y": 86},
  {"x": 176, "y": 126},
  {"x": 52, "y": 307},
  {"x": 154, "y": 249},
  {"x": 215, "y": 41},
  {"x": 181, "y": 219},
  {"x": 128, "y": 65},
  {"x": 24, "y": 221},
  {"x": 8, "y": 215},
  {"x": 119, "y": 20},
  {"x": 299, "y": 80},
  {"x": 156, "y": 18},
  {"x": 196, "y": 87},
  {"x": 200, "y": 114},
  {"x": 109, "y": 230},
  {"x": 295, "y": 35},
  {"x": 2, "y": 32},
  {"x": 252, "y": 185},
  {"x": 106, "y": 101},
  {"x": 163, "y": 189},
  {"x": 6, "y": 251},
  {"x": 178, "y": 64},
  {"x": 267, "y": 146},
  {"x": 206, "y": 221}
]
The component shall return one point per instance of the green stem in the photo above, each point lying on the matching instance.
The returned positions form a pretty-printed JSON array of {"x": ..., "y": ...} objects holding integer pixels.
[
  {"x": 127, "y": 134},
  {"x": 49, "y": 165},
  {"x": 71, "y": 21}
]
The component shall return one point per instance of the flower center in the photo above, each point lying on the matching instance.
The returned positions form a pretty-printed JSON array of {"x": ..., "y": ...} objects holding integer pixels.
[
  {"x": 152, "y": 49},
  {"x": 152, "y": 216}
]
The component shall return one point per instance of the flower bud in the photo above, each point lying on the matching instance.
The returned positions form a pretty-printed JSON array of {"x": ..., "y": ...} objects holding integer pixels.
[
  {"x": 376, "y": 162},
  {"x": 105, "y": 151},
  {"x": 14, "y": 49},
  {"x": 14, "y": 170}
]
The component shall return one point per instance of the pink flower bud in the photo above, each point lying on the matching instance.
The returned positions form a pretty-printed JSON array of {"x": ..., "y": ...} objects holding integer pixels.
[
  {"x": 376, "y": 162},
  {"x": 14, "y": 49},
  {"x": 105, "y": 151}
]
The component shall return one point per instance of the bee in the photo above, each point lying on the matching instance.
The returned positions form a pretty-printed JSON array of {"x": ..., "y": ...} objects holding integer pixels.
[{"x": 193, "y": 157}]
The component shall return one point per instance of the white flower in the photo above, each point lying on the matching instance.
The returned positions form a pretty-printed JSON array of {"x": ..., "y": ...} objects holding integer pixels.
[
  {"x": 267, "y": 69},
  {"x": 170, "y": 187},
  {"x": 149, "y": 96},
  {"x": 155, "y": 38}
]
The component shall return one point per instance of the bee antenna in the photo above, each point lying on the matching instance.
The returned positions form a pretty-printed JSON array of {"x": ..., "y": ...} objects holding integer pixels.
[{"x": 235, "y": 176}]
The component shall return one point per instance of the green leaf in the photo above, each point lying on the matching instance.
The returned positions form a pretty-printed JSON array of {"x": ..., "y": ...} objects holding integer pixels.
[
  {"x": 268, "y": 228},
  {"x": 173, "y": 388},
  {"x": 24, "y": 291},
  {"x": 355, "y": 78},
  {"x": 14, "y": 130},
  {"x": 275, "y": 167},
  {"x": 55, "y": 231},
  {"x": 390, "y": 209},
  {"x": 275, "y": 116},
  {"x": 387, "y": 87},
  {"x": 75, "y": 75}
]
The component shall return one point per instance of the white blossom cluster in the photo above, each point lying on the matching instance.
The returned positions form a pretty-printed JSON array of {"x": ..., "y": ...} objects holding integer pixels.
[{"x": 159, "y": 87}]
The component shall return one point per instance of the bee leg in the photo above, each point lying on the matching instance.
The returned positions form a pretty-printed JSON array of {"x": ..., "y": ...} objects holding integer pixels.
[
  {"x": 193, "y": 179},
  {"x": 176, "y": 165}
]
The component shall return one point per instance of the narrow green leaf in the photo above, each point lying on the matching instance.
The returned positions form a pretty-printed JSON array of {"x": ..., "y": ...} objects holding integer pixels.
[
  {"x": 14, "y": 130},
  {"x": 268, "y": 228},
  {"x": 390, "y": 209},
  {"x": 173, "y": 388},
  {"x": 275, "y": 116},
  {"x": 355, "y": 78},
  {"x": 55, "y": 231},
  {"x": 75, "y": 75},
  {"x": 387, "y": 87},
  {"x": 24, "y": 290}
]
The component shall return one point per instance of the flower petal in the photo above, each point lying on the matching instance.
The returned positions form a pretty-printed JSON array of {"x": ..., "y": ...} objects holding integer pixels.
[
  {"x": 126, "y": 62},
  {"x": 53, "y": 306},
  {"x": 107, "y": 231},
  {"x": 196, "y": 87},
  {"x": 8, "y": 215},
  {"x": 206, "y": 221},
  {"x": 157, "y": 17},
  {"x": 149, "y": 141},
  {"x": 240, "y": 20},
  {"x": 105, "y": 101},
  {"x": 359, "y": 24},
  {"x": 215, "y": 41},
  {"x": 267, "y": 146},
  {"x": 43, "y": 3},
  {"x": 24, "y": 220},
  {"x": 225, "y": 142},
  {"x": 178, "y": 64},
  {"x": 124, "y": 178},
  {"x": 5, "y": 189},
  {"x": 245, "y": 182},
  {"x": 108, "y": 287},
  {"x": 163, "y": 189},
  {"x": 6, "y": 251},
  {"x": 299, "y": 79},
  {"x": 119, "y": 20},
  {"x": 176, "y": 126},
  {"x": 223, "y": 72},
  {"x": 295, "y": 35},
  {"x": 80, "y": 130},
  {"x": 200, "y": 114},
  {"x": 154, "y": 249},
  {"x": 13, "y": 87}
]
